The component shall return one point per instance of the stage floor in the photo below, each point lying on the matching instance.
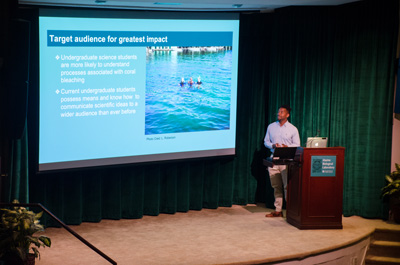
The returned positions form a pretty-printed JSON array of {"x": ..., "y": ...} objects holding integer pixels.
[{"x": 233, "y": 235}]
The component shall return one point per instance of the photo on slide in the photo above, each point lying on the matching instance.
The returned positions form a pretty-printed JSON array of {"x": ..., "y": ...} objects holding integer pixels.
[{"x": 188, "y": 89}]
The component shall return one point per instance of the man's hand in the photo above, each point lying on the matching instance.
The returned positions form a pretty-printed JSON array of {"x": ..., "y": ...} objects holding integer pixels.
[{"x": 276, "y": 145}]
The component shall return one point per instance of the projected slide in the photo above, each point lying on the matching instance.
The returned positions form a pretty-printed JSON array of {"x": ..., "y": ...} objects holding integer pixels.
[{"x": 117, "y": 91}]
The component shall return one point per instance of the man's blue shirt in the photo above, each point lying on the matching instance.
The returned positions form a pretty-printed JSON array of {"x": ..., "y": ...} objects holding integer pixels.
[{"x": 286, "y": 134}]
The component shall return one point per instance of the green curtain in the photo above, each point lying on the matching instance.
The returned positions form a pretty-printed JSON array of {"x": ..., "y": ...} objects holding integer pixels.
[
  {"x": 14, "y": 34},
  {"x": 13, "y": 142},
  {"x": 18, "y": 178},
  {"x": 301, "y": 67},
  {"x": 15, "y": 162},
  {"x": 335, "y": 67},
  {"x": 364, "y": 68}
]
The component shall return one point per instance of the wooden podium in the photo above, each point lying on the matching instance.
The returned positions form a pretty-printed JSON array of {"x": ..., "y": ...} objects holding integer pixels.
[{"x": 315, "y": 188}]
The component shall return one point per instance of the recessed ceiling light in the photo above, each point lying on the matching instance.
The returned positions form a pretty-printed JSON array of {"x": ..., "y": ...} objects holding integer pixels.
[
  {"x": 237, "y": 5},
  {"x": 167, "y": 4}
]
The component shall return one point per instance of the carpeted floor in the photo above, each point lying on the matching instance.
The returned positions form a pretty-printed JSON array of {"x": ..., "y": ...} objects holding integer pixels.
[{"x": 226, "y": 235}]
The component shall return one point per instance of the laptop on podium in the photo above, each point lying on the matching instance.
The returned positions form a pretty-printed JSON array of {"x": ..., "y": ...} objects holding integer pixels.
[{"x": 317, "y": 142}]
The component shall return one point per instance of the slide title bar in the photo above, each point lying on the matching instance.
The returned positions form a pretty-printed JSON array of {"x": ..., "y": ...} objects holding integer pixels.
[{"x": 76, "y": 38}]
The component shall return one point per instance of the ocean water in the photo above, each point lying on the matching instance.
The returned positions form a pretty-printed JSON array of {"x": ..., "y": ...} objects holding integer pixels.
[{"x": 172, "y": 108}]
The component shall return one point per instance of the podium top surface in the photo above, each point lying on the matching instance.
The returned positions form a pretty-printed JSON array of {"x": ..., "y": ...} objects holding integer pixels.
[{"x": 321, "y": 149}]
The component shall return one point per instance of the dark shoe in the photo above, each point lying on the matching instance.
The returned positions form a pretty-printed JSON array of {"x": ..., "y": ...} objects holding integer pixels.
[{"x": 274, "y": 214}]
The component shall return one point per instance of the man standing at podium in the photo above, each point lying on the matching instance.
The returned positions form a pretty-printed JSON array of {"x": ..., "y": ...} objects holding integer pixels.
[{"x": 280, "y": 134}]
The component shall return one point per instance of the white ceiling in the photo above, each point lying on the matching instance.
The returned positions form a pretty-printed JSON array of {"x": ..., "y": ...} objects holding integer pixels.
[{"x": 188, "y": 5}]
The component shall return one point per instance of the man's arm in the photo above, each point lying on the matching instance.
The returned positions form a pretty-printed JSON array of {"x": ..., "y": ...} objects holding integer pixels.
[
  {"x": 295, "y": 139},
  {"x": 267, "y": 140}
]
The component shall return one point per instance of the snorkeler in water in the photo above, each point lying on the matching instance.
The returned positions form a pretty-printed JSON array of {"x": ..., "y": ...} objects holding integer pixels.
[
  {"x": 182, "y": 83},
  {"x": 199, "y": 81},
  {"x": 190, "y": 82}
]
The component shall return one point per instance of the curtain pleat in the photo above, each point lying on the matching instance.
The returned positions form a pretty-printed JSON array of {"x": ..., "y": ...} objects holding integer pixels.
[{"x": 16, "y": 182}]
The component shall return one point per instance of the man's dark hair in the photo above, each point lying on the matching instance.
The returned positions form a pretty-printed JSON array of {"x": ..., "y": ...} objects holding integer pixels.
[{"x": 287, "y": 107}]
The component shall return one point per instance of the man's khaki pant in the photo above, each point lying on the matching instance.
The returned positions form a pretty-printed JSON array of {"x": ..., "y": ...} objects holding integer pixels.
[{"x": 278, "y": 177}]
